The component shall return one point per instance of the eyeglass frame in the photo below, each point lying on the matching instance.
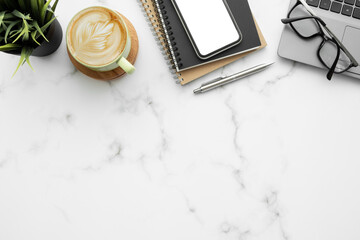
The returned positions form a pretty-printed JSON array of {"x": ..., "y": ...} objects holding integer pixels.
[{"x": 321, "y": 25}]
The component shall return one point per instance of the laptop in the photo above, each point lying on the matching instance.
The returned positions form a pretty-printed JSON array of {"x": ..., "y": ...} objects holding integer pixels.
[{"x": 342, "y": 17}]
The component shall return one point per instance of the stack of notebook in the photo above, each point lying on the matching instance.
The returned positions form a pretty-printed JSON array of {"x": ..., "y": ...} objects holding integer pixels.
[{"x": 178, "y": 50}]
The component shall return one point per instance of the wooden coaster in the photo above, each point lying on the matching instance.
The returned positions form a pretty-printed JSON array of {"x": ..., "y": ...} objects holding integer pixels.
[{"x": 118, "y": 72}]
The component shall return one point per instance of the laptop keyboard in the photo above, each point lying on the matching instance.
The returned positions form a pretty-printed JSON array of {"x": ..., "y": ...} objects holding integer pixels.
[{"x": 350, "y": 8}]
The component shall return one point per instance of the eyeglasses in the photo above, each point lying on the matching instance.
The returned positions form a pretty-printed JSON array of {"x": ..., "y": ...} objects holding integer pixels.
[{"x": 331, "y": 52}]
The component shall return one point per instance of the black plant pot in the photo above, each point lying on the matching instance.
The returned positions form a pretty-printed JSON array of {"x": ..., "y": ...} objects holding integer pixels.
[{"x": 54, "y": 34}]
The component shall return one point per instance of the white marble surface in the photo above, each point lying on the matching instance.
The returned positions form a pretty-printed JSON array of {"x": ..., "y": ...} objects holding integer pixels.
[{"x": 275, "y": 156}]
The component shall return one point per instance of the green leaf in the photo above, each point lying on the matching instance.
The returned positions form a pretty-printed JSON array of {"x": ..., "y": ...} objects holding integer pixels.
[
  {"x": 9, "y": 47},
  {"x": 27, "y": 6},
  {"x": 24, "y": 32},
  {"x": 36, "y": 25},
  {"x": 22, "y": 5},
  {"x": 2, "y": 6},
  {"x": 55, "y": 5},
  {"x": 2, "y": 15},
  {"x": 43, "y": 11},
  {"x": 10, "y": 4},
  {"x": 21, "y": 33},
  {"x": 9, "y": 28},
  {"x": 50, "y": 14},
  {"x": 22, "y": 16},
  {"x": 41, "y": 3},
  {"x": 25, "y": 54},
  {"x": 9, "y": 16},
  {"x": 33, "y": 36},
  {"x": 13, "y": 33},
  {"x": 3, "y": 27},
  {"x": 21, "y": 61},
  {"x": 35, "y": 9},
  {"x": 43, "y": 28},
  {"x": 7, "y": 22}
]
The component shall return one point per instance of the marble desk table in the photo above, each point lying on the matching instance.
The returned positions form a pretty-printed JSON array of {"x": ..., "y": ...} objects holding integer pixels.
[{"x": 272, "y": 157}]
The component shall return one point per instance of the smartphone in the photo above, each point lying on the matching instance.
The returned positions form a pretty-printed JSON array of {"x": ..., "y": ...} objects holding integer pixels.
[{"x": 209, "y": 24}]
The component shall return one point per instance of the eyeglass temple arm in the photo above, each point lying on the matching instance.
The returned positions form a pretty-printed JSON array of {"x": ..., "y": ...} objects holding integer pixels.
[
  {"x": 290, "y": 20},
  {"x": 307, "y": 7}
]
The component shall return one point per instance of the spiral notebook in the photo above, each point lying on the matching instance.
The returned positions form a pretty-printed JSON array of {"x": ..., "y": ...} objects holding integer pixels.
[
  {"x": 159, "y": 18},
  {"x": 183, "y": 54}
]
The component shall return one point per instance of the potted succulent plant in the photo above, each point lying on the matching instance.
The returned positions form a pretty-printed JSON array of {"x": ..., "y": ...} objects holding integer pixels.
[{"x": 29, "y": 28}]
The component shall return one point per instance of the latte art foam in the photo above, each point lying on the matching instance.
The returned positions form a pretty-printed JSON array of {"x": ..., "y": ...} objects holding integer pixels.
[{"x": 96, "y": 37}]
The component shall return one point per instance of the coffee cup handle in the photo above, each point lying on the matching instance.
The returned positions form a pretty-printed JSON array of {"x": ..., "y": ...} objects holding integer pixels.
[{"x": 126, "y": 65}]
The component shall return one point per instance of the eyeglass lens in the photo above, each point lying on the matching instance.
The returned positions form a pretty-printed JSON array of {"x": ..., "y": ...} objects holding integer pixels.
[
  {"x": 328, "y": 51},
  {"x": 307, "y": 27}
]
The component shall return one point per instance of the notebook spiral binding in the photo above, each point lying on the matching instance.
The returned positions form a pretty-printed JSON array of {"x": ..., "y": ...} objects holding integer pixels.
[{"x": 163, "y": 35}]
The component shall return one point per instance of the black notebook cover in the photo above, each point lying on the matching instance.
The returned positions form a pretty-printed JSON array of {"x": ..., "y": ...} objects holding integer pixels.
[{"x": 183, "y": 52}]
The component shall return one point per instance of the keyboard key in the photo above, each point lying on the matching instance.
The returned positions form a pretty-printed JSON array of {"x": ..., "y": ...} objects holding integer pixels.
[
  {"x": 325, "y": 4},
  {"x": 347, "y": 10},
  {"x": 314, "y": 3},
  {"x": 356, "y": 13},
  {"x": 336, "y": 7},
  {"x": 350, "y": 2},
  {"x": 339, "y": 0},
  {"x": 357, "y": 3}
]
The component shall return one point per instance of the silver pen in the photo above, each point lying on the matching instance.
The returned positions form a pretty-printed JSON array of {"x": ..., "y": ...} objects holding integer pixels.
[{"x": 225, "y": 80}]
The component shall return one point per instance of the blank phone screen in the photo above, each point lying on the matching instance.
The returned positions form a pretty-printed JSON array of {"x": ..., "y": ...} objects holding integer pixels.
[{"x": 209, "y": 23}]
